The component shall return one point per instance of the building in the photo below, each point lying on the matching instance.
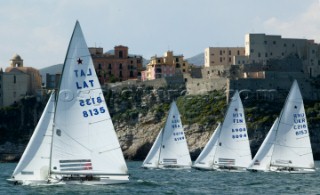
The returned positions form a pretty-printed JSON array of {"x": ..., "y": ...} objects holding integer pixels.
[
  {"x": 18, "y": 81},
  {"x": 52, "y": 81},
  {"x": 261, "y": 48},
  {"x": 166, "y": 66},
  {"x": 117, "y": 65},
  {"x": 214, "y": 56}
]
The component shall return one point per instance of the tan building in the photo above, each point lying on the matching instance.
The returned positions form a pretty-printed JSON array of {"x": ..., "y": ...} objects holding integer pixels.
[
  {"x": 116, "y": 66},
  {"x": 13, "y": 87},
  {"x": 18, "y": 81},
  {"x": 166, "y": 66},
  {"x": 214, "y": 56},
  {"x": 259, "y": 48}
]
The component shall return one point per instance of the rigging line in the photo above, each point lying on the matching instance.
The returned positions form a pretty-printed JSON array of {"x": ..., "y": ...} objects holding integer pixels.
[
  {"x": 291, "y": 149},
  {"x": 289, "y": 146},
  {"x": 109, "y": 150},
  {"x": 77, "y": 141},
  {"x": 99, "y": 121}
]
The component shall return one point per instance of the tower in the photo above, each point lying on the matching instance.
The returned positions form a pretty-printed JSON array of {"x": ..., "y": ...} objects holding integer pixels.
[{"x": 16, "y": 61}]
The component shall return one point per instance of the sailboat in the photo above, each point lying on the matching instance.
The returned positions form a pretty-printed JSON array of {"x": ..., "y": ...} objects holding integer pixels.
[
  {"x": 84, "y": 148},
  {"x": 228, "y": 147},
  {"x": 170, "y": 149},
  {"x": 287, "y": 146}
]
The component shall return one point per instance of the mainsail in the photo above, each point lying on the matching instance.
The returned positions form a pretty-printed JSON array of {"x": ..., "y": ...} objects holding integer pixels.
[
  {"x": 84, "y": 138},
  {"x": 34, "y": 163},
  {"x": 170, "y": 148},
  {"x": 233, "y": 150},
  {"x": 205, "y": 159}
]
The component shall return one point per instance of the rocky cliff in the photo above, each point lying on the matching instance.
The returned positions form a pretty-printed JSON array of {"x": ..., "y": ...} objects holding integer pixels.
[{"x": 138, "y": 116}]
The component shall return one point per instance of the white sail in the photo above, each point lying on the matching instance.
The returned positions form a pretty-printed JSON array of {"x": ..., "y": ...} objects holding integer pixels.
[
  {"x": 233, "y": 150},
  {"x": 170, "y": 148},
  {"x": 262, "y": 159},
  {"x": 205, "y": 159},
  {"x": 292, "y": 146},
  {"x": 152, "y": 159},
  {"x": 84, "y": 138},
  {"x": 34, "y": 163}
]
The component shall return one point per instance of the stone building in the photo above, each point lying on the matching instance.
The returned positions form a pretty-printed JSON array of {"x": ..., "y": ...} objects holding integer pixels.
[
  {"x": 262, "y": 48},
  {"x": 166, "y": 66},
  {"x": 117, "y": 65},
  {"x": 18, "y": 81},
  {"x": 214, "y": 56}
]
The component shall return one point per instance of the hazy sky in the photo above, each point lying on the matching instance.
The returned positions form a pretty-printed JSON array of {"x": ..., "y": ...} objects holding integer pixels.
[{"x": 39, "y": 30}]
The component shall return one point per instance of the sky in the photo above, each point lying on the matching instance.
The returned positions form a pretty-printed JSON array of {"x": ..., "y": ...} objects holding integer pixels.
[{"x": 40, "y": 30}]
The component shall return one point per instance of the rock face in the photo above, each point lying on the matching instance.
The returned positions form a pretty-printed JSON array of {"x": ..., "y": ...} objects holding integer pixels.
[{"x": 139, "y": 117}]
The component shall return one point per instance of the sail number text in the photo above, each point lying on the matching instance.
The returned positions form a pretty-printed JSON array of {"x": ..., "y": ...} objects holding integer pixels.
[{"x": 89, "y": 102}]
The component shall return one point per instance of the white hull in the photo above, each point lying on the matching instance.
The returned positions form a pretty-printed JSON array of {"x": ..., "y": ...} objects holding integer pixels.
[
  {"x": 220, "y": 168},
  {"x": 291, "y": 170},
  {"x": 101, "y": 180},
  {"x": 168, "y": 167},
  {"x": 284, "y": 170},
  {"x": 203, "y": 168}
]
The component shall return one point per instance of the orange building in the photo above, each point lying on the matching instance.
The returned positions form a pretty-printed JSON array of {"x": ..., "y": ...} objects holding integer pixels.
[{"x": 117, "y": 65}]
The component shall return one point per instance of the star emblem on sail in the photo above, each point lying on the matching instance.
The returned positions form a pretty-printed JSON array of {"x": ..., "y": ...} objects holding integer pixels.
[{"x": 79, "y": 61}]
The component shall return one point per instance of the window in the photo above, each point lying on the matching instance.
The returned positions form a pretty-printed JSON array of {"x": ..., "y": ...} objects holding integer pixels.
[
  {"x": 274, "y": 42},
  {"x": 251, "y": 50},
  {"x": 220, "y": 52},
  {"x": 99, "y": 66},
  {"x": 229, "y": 52},
  {"x": 177, "y": 59},
  {"x": 220, "y": 59},
  {"x": 14, "y": 79},
  {"x": 229, "y": 59},
  {"x": 109, "y": 66},
  {"x": 131, "y": 73},
  {"x": 285, "y": 45},
  {"x": 120, "y": 73},
  {"x": 259, "y": 54},
  {"x": 120, "y": 66},
  {"x": 120, "y": 54},
  {"x": 238, "y": 52}
]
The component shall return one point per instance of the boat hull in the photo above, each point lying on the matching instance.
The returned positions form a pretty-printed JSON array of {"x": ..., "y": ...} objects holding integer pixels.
[
  {"x": 167, "y": 167},
  {"x": 61, "y": 180},
  {"x": 291, "y": 170}
]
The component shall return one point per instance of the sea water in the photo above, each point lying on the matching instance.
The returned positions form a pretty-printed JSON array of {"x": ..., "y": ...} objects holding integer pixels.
[{"x": 187, "y": 181}]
